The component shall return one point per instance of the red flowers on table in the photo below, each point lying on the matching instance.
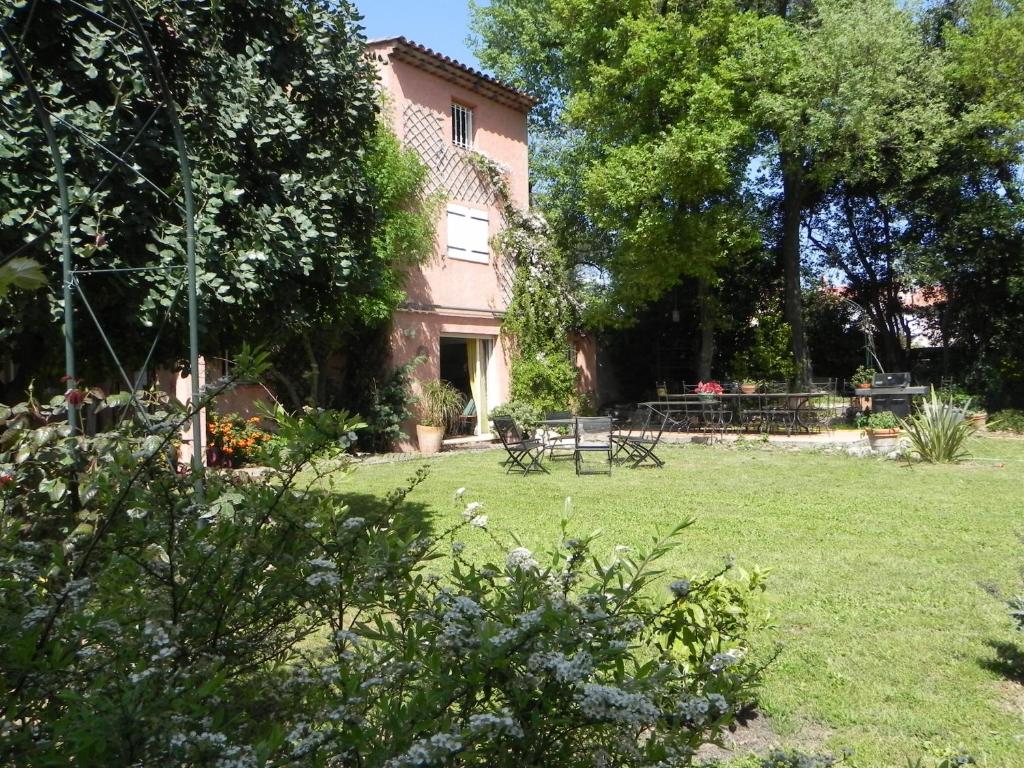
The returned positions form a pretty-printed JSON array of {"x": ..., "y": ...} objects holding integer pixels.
[{"x": 709, "y": 388}]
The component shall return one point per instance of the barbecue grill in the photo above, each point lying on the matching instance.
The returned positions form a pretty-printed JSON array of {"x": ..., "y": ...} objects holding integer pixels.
[{"x": 892, "y": 392}]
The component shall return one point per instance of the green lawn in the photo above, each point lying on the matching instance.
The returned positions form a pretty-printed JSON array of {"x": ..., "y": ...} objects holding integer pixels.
[{"x": 889, "y": 645}]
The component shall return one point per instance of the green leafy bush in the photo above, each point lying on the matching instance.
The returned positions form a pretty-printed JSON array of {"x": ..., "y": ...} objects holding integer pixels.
[
  {"x": 527, "y": 416},
  {"x": 390, "y": 404},
  {"x": 863, "y": 375},
  {"x": 879, "y": 420},
  {"x": 546, "y": 380},
  {"x": 1007, "y": 420},
  {"x": 271, "y": 624},
  {"x": 938, "y": 432}
]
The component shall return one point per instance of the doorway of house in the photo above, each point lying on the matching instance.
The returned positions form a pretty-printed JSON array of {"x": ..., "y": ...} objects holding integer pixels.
[{"x": 464, "y": 364}]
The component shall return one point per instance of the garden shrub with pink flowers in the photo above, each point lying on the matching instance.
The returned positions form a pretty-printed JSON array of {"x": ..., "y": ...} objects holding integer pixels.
[{"x": 268, "y": 625}]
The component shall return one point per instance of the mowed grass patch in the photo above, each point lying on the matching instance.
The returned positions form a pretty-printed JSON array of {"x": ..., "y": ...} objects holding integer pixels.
[{"x": 889, "y": 644}]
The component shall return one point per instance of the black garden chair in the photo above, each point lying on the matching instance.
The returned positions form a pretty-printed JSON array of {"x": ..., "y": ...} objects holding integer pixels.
[
  {"x": 639, "y": 437},
  {"x": 593, "y": 435},
  {"x": 558, "y": 438},
  {"x": 523, "y": 455}
]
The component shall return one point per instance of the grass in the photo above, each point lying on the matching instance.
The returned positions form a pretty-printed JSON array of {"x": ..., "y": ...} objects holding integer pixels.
[{"x": 889, "y": 645}]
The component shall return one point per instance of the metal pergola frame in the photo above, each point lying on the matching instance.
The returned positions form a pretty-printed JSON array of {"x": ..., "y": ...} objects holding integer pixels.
[{"x": 70, "y": 283}]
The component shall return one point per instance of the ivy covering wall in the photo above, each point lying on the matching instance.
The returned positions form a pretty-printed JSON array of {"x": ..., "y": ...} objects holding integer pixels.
[{"x": 543, "y": 311}]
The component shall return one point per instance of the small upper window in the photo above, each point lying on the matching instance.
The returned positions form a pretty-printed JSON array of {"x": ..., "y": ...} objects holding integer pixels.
[{"x": 462, "y": 126}]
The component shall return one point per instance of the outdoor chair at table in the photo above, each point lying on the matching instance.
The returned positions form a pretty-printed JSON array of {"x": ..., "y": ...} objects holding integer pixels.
[
  {"x": 715, "y": 416},
  {"x": 593, "y": 436},
  {"x": 639, "y": 437},
  {"x": 523, "y": 455},
  {"x": 554, "y": 440}
]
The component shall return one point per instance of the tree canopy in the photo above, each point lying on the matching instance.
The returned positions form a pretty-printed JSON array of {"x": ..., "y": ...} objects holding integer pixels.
[
  {"x": 837, "y": 138},
  {"x": 304, "y": 200}
]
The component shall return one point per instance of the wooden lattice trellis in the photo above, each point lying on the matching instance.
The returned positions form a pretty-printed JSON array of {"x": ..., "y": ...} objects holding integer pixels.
[{"x": 452, "y": 172}]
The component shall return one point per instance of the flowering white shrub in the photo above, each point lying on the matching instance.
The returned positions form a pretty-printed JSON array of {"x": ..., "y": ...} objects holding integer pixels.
[{"x": 271, "y": 625}]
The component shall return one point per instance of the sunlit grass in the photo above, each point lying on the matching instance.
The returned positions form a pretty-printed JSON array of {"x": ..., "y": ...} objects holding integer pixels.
[{"x": 889, "y": 644}]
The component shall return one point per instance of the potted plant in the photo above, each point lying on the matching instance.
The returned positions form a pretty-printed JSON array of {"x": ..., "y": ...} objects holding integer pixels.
[
  {"x": 748, "y": 386},
  {"x": 882, "y": 429},
  {"x": 439, "y": 405},
  {"x": 708, "y": 390},
  {"x": 863, "y": 377}
]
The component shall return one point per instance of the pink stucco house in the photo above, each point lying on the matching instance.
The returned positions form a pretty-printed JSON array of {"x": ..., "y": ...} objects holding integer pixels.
[{"x": 455, "y": 303}]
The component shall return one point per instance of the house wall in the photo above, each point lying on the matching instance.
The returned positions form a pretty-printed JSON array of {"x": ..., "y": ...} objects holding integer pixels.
[{"x": 449, "y": 296}]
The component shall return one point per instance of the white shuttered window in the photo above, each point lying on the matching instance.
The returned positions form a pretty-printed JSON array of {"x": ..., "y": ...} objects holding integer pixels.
[{"x": 468, "y": 233}]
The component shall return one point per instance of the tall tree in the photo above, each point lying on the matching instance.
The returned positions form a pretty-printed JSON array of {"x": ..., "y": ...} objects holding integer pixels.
[
  {"x": 646, "y": 137},
  {"x": 680, "y": 106},
  {"x": 279, "y": 105}
]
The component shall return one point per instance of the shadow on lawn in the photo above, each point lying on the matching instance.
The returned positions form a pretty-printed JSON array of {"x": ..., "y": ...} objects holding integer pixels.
[
  {"x": 410, "y": 516},
  {"x": 1008, "y": 661}
]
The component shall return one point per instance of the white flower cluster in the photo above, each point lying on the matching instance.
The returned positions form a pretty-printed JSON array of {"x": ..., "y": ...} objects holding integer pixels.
[
  {"x": 563, "y": 669},
  {"x": 325, "y": 572},
  {"x": 522, "y": 624},
  {"x": 695, "y": 710},
  {"x": 521, "y": 559},
  {"x": 680, "y": 588},
  {"x": 721, "y": 661},
  {"x": 439, "y": 748},
  {"x": 499, "y": 724},
  {"x": 354, "y": 523},
  {"x": 433, "y": 751},
  {"x": 459, "y": 624},
  {"x": 606, "y": 703},
  {"x": 471, "y": 509}
]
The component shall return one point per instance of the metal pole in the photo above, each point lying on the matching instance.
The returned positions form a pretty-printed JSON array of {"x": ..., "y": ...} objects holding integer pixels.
[
  {"x": 190, "y": 244},
  {"x": 65, "y": 222}
]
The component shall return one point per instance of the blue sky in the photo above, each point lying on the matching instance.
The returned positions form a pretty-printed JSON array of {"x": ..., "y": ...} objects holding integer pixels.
[{"x": 439, "y": 24}]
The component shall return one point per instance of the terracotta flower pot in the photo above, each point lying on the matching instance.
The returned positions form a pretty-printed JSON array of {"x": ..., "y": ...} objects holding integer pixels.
[
  {"x": 748, "y": 389},
  {"x": 429, "y": 438},
  {"x": 862, "y": 386},
  {"x": 883, "y": 439}
]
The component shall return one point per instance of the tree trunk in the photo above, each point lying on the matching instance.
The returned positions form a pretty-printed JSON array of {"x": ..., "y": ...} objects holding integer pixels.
[
  {"x": 315, "y": 379},
  {"x": 792, "y": 214},
  {"x": 707, "y": 331}
]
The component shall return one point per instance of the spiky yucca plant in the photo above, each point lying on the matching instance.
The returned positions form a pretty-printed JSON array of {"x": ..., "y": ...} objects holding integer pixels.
[{"x": 938, "y": 432}]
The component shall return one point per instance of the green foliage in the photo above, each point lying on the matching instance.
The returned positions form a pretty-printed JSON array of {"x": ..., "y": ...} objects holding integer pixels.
[
  {"x": 307, "y": 204},
  {"x": 20, "y": 273},
  {"x": 527, "y": 416},
  {"x": 878, "y": 140},
  {"x": 390, "y": 405},
  {"x": 440, "y": 404},
  {"x": 547, "y": 381},
  {"x": 406, "y": 213},
  {"x": 938, "y": 432},
  {"x": 769, "y": 357},
  {"x": 1008, "y": 420},
  {"x": 878, "y": 420},
  {"x": 272, "y": 625},
  {"x": 544, "y": 308}
]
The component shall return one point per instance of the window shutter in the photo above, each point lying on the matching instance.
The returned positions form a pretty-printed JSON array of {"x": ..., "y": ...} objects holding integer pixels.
[
  {"x": 458, "y": 225},
  {"x": 479, "y": 234},
  {"x": 468, "y": 234}
]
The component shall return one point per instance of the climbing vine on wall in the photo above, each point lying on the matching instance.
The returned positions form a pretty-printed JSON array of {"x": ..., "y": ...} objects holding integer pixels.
[{"x": 543, "y": 310}]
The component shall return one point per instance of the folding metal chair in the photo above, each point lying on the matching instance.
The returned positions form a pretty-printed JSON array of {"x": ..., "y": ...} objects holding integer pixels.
[
  {"x": 640, "y": 439},
  {"x": 593, "y": 435},
  {"x": 523, "y": 455},
  {"x": 554, "y": 440}
]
